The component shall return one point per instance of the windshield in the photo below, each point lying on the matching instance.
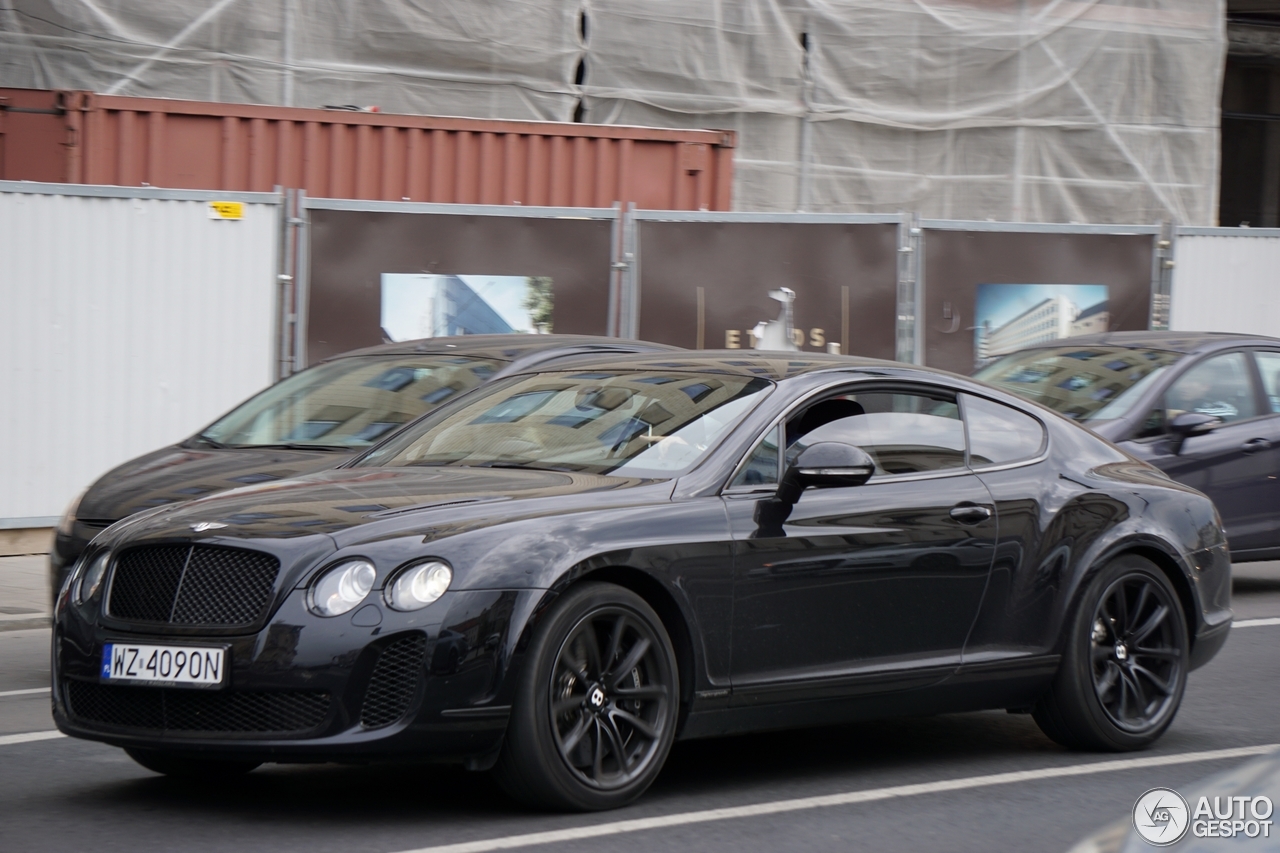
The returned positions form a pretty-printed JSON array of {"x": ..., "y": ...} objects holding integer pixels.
[
  {"x": 1085, "y": 383},
  {"x": 349, "y": 402},
  {"x": 634, "y": 424}
]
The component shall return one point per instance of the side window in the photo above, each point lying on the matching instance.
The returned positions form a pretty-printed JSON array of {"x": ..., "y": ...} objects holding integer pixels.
[
  {"x": 1220, "y": 386},
  {"x": 761, "y": 467},
  {"x": 999, "y": 434},
  {"x": 1269, "y": 367},
  {"x": 904, "y": 433}
]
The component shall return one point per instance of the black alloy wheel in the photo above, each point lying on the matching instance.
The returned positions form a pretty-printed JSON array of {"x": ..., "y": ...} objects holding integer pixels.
[
  {"x": 596, "y": 709},
  {"x": 1136, "y": 652},
  {"x": 608, "y": 698},
  {"x": 1124, "y": 669}
]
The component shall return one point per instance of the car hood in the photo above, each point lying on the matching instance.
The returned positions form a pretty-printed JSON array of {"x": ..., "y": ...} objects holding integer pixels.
[
  {"x": 357, "y": 504},
  {"x": 180, "y": 474}
]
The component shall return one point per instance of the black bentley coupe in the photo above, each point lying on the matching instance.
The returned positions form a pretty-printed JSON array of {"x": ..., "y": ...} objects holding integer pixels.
[{"x": 557, "y": 575}]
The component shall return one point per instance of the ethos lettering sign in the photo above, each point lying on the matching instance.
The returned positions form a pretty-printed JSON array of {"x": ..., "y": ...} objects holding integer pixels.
[{"x": 708, "y": 285}]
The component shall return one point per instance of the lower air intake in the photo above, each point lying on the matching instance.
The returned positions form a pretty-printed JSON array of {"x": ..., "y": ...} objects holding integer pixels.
[
  {"x": 394, "y": 680},
  {"x": 162, "y": 709}
]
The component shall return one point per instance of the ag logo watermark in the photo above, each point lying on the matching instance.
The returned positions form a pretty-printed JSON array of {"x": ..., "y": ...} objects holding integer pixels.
[{"x": 1162, "y": 817}]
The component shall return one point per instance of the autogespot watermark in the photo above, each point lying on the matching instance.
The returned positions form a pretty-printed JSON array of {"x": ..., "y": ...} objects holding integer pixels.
[{"x": 1162, "y": 817}]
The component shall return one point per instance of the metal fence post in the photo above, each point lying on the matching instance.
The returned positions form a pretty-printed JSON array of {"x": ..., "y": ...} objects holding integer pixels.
[
  {"x": 1162, "y": 277},
  {"x": 909, "y": 344},
  {"x": 300, "y": 221},
  {"x": 617, "y": 268},
  {"x": 630, "y": 320}
]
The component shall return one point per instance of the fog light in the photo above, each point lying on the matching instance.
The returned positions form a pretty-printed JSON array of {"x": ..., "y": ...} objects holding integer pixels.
[
  {"x": 418, "y": 586},
  {"x": 91, "y": 579},
  {"x": 341, "y": 588}
]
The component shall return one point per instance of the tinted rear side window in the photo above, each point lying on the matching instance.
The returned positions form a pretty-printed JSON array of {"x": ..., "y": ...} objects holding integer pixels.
[{"x": 999, "y": 434}]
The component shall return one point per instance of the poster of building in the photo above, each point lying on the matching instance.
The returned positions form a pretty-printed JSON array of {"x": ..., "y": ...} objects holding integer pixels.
[
  {"x": 418, "y": 306},
  {"x": 1010, "y": 317}
]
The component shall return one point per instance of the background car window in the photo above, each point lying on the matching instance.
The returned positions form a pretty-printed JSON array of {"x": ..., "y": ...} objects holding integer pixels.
[
  {"x": 350, "y": 402},
  {"x": 1218, "y": 386},
  {"x": 761, "y": 467},
  {"x": 999, "y": 434},
  {"x": 1081, "y": 382},
  {"x": 903, "y": 433},
  {"x": 1269, "y": 367}
]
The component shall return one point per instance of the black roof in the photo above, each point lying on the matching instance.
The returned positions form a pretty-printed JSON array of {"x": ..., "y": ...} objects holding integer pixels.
[
  {"x": 768, "y": 365},
  {"x": 1181, "y": 342},
  {"x": 503, "y": 347}
]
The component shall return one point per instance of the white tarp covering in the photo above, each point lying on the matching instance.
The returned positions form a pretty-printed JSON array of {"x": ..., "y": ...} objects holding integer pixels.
[
  {"x": 510, "y": 59},
  {"x": 1031, "y": 110}
]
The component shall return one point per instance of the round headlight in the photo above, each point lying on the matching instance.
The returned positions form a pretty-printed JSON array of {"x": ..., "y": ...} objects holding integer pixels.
[
  {"x": 418, "y": 586},
  {"x": 90, "y": 580},
  {"x": 342, "y": 587}
]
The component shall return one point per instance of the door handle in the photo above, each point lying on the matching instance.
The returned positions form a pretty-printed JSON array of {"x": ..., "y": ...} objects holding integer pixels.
[
  {"x": 1255, "y": 445},
  {"x": 970, "y": 513}
]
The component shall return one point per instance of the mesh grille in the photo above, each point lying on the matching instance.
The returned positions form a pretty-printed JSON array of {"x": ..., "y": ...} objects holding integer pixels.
[
  {"x": 192, "y": 585},
  {"x": 177, "y": 710},
  {"x": 394, "y": 679},
  {"x": 146, "y": 581},
  {"x": 223, "y": 586}
]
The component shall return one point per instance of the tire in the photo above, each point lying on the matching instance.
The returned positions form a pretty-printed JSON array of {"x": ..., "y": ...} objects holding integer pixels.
[
  {"x": 595, "y": 708},
  {"x": 187, "y": 767},
  {"x": 1124, "y": 668}
]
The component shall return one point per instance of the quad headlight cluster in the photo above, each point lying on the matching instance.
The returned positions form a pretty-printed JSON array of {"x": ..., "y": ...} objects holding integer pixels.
[{"x": 342, "y": 587}]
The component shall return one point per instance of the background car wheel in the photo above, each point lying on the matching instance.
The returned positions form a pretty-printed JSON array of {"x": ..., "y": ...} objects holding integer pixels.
[
  {"x": 186, "y": 767},
  {"x": 595, "y": 711},
  {"x": 1125, "y": 664}
]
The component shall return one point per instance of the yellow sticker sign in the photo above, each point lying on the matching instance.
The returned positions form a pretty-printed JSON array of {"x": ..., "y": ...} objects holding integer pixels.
[{"x": 226, "y": 210}]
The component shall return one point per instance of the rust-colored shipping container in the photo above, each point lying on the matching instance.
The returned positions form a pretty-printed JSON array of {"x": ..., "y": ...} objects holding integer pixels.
[{"x": 81, "y": 137}]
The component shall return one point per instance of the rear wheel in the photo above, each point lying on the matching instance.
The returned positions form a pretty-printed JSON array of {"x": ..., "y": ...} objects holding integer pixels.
[
  {"x": 594, "y": 716},
  {"x": 188, "y": 767},
  {"x": 1125, "y": 667}
]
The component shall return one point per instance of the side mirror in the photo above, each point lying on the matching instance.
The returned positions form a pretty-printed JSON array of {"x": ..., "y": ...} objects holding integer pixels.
[
  {"x": 826, "y": 464},
  {"x": 1188, "y": 424}
]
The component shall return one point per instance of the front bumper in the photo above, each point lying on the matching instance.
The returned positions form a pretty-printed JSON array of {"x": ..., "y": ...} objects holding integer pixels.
[{"x": 432, "y": 684}]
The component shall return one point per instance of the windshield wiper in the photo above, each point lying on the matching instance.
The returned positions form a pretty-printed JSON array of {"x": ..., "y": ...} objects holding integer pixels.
[
  {"x": 209, "y": 442},
  {"x": 294, "y": 445},
  {"x": 526, "y": 466}
]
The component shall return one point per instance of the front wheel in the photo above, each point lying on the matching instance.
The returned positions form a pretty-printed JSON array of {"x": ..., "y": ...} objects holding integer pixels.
[
  {"x": 595, "y": 711},
  {"x": 1125, "y": 666}
]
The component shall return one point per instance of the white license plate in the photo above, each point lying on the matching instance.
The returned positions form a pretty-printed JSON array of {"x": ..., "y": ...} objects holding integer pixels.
[{"x": 196, "y": 666}]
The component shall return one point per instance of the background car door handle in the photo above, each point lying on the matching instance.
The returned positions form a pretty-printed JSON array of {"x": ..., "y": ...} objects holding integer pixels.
[
  {"x": 1254, "y": 445},
  {"x": 970, "y": 513}
]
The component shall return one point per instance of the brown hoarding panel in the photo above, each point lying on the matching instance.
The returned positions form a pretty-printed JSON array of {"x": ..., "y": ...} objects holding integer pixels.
[
  {"x": 102, "y": 139},
  {"x": 351, "y": 251},
  {"x": 958, "y": 265},
  {"x": 706, "y": 284}
]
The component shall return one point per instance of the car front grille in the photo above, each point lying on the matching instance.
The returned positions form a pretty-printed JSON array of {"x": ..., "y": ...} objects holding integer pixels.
[
  {"x": 394, "y": 680},
  {"x": 163, "y": 709},
  {"x": 192, "y": 585}
]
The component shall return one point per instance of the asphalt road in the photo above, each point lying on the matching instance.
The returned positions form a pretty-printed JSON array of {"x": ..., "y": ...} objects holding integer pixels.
[{"x": 61, "y": 794}]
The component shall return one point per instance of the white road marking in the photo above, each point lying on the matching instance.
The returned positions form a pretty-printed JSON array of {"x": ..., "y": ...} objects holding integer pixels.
[
  {"x": 27, "y": 692},
  {"x": 850, "y": 798},
  {"x": 1256, "y": 623},
  {"x": 28, "y": 737}
]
